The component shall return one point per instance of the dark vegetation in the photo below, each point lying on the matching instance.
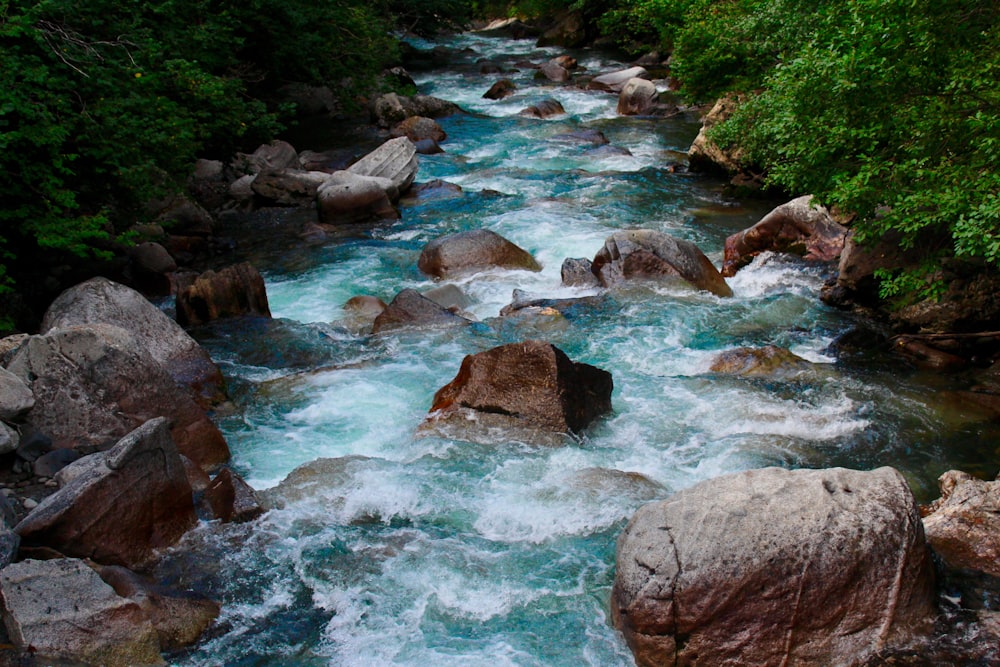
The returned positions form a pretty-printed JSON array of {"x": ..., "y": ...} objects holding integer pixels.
[{"x": 885, "y": 108}]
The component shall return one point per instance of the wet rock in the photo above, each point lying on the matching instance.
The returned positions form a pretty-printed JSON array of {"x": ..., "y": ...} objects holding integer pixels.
[
  {"x": 427, "y": 147},
  {"x": 450, "y": 297},
  {"x": 767, "y": 361},
  {"x": 100, "y": 300},
  {"x": 924, "y": 355},
  {"x": 471, "y": 251},
  {"x": 637, "y": 98},
  {"x": 963, "y": 526},
  {"x": 418, "y": 128},
  {"x": 365, "y": 305},
  {"x": 614, "y": 82},
  {"x": 179, "y": 617},
  {"x": 553, "y": 72},
  {"x": 436, "y": 189},
  {"x": 288, "y": 187},
  {"x": 502, "y": 89},
  {"x": 348, "y": 197},
  {"x": 522, "y": 390},
  {"x": 120, "y": 505},
  {"x": 395, "y": 160},
  {"x": 648, "y": 254},
  {"x": 61, "y": 610},
  {"x": 94, "y": 383},
  {"x": 800, "y": 227},
  {"x": 578, "y": 272},
  {"x": 314, "y": 480},
  {"x": 16, "y": 398},
  {"x": 706, "y": 155},
  {"x": 33, "y": 446},
  {"x": 583, "y": 137},
  {"x": 411, "y": 309},
  {"x": 609, "y": 151},
  {"x": 277, "y": 155},
  {"x": 773, "y": 566},
  {"x": 232, "y": 292},
  {"x": 231, "y": 499},
  {"x": 544, "y": 109}
]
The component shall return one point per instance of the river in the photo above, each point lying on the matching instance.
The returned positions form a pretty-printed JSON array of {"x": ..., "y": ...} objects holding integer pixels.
[{"x": 411, "y": 550}]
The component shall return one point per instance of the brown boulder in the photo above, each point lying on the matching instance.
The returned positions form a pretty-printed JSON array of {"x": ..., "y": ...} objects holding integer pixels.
[
  {"x": 501, "y": 89},
  {"x": 232, "y": 292},
  {"x": 648, "y": 254},
  {"x": 418, "y": 128},
  {"x": 637, "y": 98},
  {"x": 963, "y": 526},
  {"x": 231, "y": 499},
  {"x": 475, "y": 250},
  {"x": 772, "y": 566},
  {"x": 120, "y": 505},
  {"x": 100, "y": 300},
  {"x": 524, "y": 389},
  {"x": 94, "y": 383},
  {"x": 544, "y": 109},
  {"x": 412, "y": 309},
  {"x": 61, "y": 610},
  {"x": 767, "y": 361},
  {"x": 799, "y": 226}
]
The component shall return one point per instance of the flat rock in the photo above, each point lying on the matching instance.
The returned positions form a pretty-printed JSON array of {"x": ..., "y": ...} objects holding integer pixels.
[
  {"x": 772, "y": 566},
  {"x": 60, "y": 609},
  {"x": 613, "y": 82}
]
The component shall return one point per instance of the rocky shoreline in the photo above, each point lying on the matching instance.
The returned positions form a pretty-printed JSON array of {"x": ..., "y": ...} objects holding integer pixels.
[{"x": 112, "y": 453}]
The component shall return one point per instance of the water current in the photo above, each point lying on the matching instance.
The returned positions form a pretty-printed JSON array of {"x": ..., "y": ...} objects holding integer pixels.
[{"x": 405, "y": 550}]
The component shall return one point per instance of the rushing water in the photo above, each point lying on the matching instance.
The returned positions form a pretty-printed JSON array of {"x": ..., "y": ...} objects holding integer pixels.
[{"x": 427, "y": 551}]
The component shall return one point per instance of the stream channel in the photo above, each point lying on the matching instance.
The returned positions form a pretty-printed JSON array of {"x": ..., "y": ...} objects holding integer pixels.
[{"x": 406, "y": 550}]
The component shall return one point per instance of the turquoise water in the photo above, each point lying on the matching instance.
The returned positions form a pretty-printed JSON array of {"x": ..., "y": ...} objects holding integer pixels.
[{"x": 410, "y": 550}]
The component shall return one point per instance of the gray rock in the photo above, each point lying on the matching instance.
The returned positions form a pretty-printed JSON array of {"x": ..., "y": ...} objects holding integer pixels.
[
  {"x": 60, "y": 609},
  {"x": 288, "y": 187},
  {"x": 9, "y": 346},
  {"x": 9, "y": 439},
  {"x": 553, "y": 71},
  {"x": 471, "y": 251},
  {"x": 94, "y": 383},
  {"x": 15, "y": 396},
  {"x": 637, "y": 98},
  {"x": 772, "y": 566},
  {"x": 120, "y": 505},
  {"x": 102, "y": 301},
  {"x": 411, "y": 309},
  {"x": 613, "y": 82},
  {"x": 963, "y": 527},
  {"x": 351, "y": 197},
  {"x": 651, "y": 255},
  {"x": 396, "y": 160},
  {"x": 449, "y": 296},
  {"x": 275, "y": 155},
  {"x": 578, "y": 272},
  {"x": 10, "y": 542}
]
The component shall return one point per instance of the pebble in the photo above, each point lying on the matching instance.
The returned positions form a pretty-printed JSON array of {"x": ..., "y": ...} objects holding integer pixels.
[{"x": 29, "y": 503}]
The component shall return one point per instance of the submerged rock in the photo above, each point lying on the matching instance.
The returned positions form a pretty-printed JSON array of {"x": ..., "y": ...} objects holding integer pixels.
[
  {"x": 61, "y": 610},
  {"x": 100, "y": 300},
  {"x": 799, "y": 226},
  {"x": 232, "y": 292},
  {"x": 412, "y": 309},
  {"x": 120, "y": 505},
  {"x": 963, "y": 526},
  {"x": 648, "y": 254},
  {"x": 773, "y": 566},
  {"x": 767, "y": 361},
  {"x": 527, "y": 390},
  {"x": 471, "y": 251}
]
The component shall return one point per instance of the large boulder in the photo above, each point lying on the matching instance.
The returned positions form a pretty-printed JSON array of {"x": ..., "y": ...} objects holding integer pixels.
[
  {"x": 800, "y": 226},
  {"x": 61, "y": 610},
  {"x": 705, "y": 154},
  {"x": 528, "y": 390},
  {"x": 232, "y": 292},
  {"x": 396, "y": 160},
  {"x": 347, "y": 197},
  {"x": 772, "y": 566},
  {"x": 614, "y": 82},
  {"x": 649, "y": 254},
  {"x": 637, "y": 98},
  {"x": 411, "y": 309},
  {"x": 963, "y": 526},
  {"x": 16, "y": 398},
  {"x": 553, "y": 71},
  {"x": 100, "y": 300},
  {"x": 94, "y": 383},
  {"x": 471, "y": 251},
  {"x": 119, "y": 506},
  {"x": 419, "y": 128},
  {"x": 288, "y": 187},
  {"x": 500, "y": 90}
]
